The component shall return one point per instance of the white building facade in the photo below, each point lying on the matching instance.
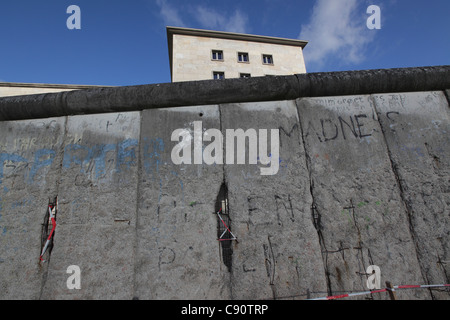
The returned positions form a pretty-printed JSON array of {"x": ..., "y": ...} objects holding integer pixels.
[{"x": 203, "y": 54}]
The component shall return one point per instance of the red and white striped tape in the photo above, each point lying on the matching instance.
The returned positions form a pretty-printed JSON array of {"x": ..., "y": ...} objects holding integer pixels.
[
  {"x": 52, "y": 208},
  {"x": 381, "y": 290},
  {"x": 226, "y": 229}
]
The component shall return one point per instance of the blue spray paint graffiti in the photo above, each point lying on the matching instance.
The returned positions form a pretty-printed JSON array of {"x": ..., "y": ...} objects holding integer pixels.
[
  {"x": 127, "y": 150},
  {"x": 152, "y": 154},
  {"x": 9, "y": 157},
  {"x": 39, "y": 164},
  {"x": 74, "y": 154},
  {"x": 84, "y": 156}
]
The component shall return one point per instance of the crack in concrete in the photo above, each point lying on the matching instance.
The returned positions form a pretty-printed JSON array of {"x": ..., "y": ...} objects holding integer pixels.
[
  {"x": 137, "y": 220},
  {"x": 224, "y": 183},
  {"x": 406, "y": 203},
  {"x": 45, "y": 233},
  {"x": 315, "y": 214},
  {"x": 59, "y": 176}
]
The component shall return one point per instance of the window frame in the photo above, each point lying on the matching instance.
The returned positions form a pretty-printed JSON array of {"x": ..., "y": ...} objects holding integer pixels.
[
  {"x": 247, "y": 75},
  {"x": 270, "y": 56},
  {"x": 214, "y": 51},
  {"x": 218, "y": 73},
  {"x": 243, "y": 54}
]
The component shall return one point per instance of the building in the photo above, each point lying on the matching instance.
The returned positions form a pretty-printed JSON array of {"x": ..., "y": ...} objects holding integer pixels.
[
  {"x": 9, "y": 89},
  {"x": 196, "y": 54},
  {"x": 204, "y": 54}
]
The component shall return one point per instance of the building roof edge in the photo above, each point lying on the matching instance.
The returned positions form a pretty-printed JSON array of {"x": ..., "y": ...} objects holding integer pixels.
[{"x": 235, "y": 36}]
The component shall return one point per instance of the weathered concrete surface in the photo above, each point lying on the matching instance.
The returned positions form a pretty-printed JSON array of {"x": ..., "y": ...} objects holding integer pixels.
[
  {"x": 277, "y": 254},
  {"x": 362, "y": 180},
  {"x": 417, "y": 128},
  {"x": 97, "y": 208},
  {"x": 178, "y": 253},
  {"x": 29, "y": 175},
  {"x": 359, "y": 212}
]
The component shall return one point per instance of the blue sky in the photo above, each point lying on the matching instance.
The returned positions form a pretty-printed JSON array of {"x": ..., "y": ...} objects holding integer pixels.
[{"x": 125, "y": 43}]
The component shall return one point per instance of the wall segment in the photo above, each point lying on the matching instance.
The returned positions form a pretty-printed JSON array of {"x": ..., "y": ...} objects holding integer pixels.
[
  {"x": 360, "y": 214},
  {"x": 418, "y": 145},
  {"x": 362, "y": 180}
]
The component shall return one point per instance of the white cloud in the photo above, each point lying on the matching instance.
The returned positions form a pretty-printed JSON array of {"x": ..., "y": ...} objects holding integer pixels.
[
  {"x": 206, "y": 17},
  {"x": 211, "y": 19},
  {"x": 169, "y": 14},
  {"x": 337, "y": 29}
]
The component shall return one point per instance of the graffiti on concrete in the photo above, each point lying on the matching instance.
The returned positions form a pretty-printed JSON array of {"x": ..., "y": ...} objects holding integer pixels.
[
  {"x": 99, "y": 158},
  {"x": 328, "y": 129},
  {"x": 124, "y": 155}
]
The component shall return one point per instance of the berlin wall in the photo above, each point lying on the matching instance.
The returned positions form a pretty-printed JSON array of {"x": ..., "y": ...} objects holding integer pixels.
[{"x": 356, "y": 180}]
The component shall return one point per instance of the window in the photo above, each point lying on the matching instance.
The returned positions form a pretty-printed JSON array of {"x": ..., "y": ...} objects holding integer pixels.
[
  {"x": 267, "y": 59},
  {"x": 243, "y": 57},
  {"x": 218, "y": 75},
  {"x": 217, "y": 55},
  {"x": 244, "y": 75}
]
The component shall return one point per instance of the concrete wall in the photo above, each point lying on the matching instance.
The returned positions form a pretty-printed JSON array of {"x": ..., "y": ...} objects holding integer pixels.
[{"x": 362, "y": 180}]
